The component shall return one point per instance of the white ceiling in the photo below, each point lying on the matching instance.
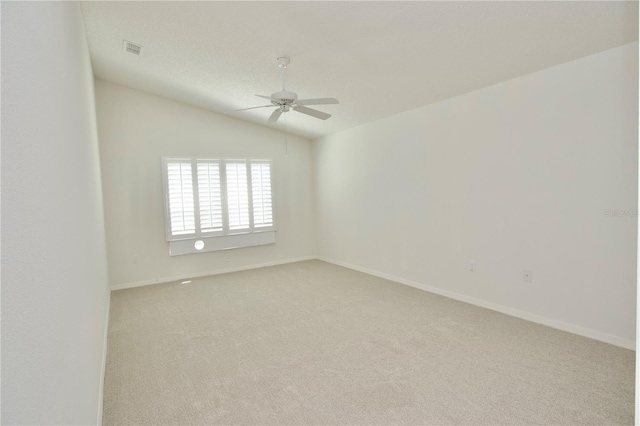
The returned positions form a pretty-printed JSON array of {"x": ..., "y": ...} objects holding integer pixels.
[{"x": 377, "y": 58}]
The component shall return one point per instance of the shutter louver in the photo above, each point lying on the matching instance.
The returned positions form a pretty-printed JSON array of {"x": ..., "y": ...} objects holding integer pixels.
[
  {"x": 237, "y": 196},
  {"x": 261, "y": 195},
  {"x": 209, "y": 197},
  {"x": 181, "y": 203}
]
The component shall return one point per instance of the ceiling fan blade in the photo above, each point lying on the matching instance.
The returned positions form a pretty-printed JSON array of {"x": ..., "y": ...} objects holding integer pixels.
[
  {"x": 312, "y": 112},
  {"x": 275, "y": 115},
  {"x": 319, "y": 101},
  {"x": 265, "y": 97},
  {"x": 244, "y": 109}
]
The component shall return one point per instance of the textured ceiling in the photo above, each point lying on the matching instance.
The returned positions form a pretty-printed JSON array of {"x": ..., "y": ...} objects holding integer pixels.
[{"x": 377, "y": 58}]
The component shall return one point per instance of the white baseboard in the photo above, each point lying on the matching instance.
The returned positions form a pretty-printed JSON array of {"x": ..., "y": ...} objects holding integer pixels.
[
  {"x": 560, "y": 325},
  {"x": 207, "y": 273},
  {"x": 104, "y": 363}
]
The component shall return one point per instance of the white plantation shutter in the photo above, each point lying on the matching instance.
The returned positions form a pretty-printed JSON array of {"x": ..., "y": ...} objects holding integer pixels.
[
  {"x": 217, "y": 204},
  {"x": 180, "y": 198},
  {"x": 237, "y": 196},
  {"x": 209, "y": 196},
  {"x": 261, "y": 194}
]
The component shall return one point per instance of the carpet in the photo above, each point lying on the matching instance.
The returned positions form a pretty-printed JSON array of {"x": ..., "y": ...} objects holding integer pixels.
[{"x": 314, "y": 343}]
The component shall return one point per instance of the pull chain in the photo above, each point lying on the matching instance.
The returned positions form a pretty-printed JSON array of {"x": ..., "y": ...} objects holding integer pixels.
[{"x": 286, "y": 137}]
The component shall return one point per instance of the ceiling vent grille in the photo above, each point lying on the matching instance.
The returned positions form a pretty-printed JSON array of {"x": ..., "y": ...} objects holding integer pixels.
[{"x": 127, "y": 46}]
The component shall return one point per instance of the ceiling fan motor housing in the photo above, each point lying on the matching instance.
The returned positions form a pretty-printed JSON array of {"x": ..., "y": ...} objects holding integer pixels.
[{"x": 284, "y": 98}]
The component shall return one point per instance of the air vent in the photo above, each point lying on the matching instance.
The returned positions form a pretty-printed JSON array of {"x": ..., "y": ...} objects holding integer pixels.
[{"x": 127, "y": 46}]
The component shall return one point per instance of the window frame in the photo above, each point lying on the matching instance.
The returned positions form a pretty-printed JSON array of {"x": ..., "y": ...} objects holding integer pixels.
[{"x": 226, "y": 231}]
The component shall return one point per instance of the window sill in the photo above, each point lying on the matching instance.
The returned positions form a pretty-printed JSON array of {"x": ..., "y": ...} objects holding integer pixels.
[{"x": 225, "y": 242}]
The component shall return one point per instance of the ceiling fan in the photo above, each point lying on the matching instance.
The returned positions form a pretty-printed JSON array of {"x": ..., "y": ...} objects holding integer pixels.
[{"x": 284, "y": 101}]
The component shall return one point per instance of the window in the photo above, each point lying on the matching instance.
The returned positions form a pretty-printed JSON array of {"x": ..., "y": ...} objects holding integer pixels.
[{"x": 217, "y": 204}]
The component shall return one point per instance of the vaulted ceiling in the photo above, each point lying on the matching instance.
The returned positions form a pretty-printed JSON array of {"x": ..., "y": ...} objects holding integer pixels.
[{"x": 377, "y": 58}]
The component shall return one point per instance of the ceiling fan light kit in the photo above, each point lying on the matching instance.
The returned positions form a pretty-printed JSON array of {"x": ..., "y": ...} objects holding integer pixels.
[{"x": 284, "y": 101}]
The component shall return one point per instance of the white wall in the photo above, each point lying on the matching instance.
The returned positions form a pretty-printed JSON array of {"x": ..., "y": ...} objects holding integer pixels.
[
  {"x": 136, "y": 130},
  {"x": 54, "y": 273},
  {"x": 515, "y": 176}
]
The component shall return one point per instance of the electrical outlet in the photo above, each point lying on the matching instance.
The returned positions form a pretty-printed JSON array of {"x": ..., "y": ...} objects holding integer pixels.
[
  {"x": 527, "y": 276},
  {"x": 227, "y": 258},
  {"x": 135, "y": 258}
]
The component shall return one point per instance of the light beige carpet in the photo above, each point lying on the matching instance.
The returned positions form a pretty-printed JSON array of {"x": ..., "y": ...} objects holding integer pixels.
[{"x": 313, "y": 343}]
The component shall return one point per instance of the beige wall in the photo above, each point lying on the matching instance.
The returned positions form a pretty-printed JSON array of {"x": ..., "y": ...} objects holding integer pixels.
[
  {"x": 136, "y": 130},
  {"x": 55, "y": 292},
  {"x": 516, "y": 176}
]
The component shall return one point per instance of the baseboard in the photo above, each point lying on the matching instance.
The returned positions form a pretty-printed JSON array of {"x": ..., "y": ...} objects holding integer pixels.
[
  {"x": 560, "y": 325},
  {"x": 104, "y": 362},
  {"x": 208, "y": 273}
]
